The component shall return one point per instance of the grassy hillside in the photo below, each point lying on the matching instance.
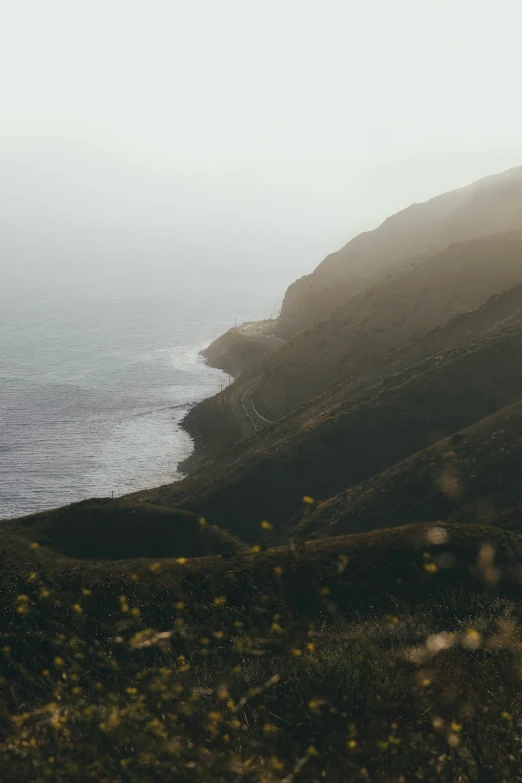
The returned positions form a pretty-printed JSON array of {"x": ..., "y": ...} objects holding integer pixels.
[
  {"x": 405, "y": 305},
  {"x": 473, "y": 474},
  {"x": 349, "y": 659},
  {"x": 113, "y": 529},
  {"x": 355, "y": 439},
  {"x": 486, "y": 207}
]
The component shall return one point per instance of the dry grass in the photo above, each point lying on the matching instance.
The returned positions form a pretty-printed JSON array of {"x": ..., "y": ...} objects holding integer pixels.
[{"x": 285, "y": 665}]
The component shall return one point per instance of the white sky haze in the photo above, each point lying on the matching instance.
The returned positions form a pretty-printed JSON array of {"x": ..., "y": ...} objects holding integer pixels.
[{"x": 265, "y": 132}]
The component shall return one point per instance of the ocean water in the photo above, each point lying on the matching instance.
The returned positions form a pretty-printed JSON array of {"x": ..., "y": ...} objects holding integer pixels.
[{"x": 97, "y": 374}]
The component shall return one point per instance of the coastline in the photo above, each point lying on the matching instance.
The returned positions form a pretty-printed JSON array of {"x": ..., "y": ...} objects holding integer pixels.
[{"x": 210, "y": 423}]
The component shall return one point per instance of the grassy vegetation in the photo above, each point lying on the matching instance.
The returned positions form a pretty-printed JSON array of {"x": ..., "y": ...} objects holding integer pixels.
[
  {"x": 140, "y": 642},
  {"x": 361, "y": 328},
  {"x": 352, "y": 659},
  {"x": 121, "y": 528},
  {"x": 473, "y": 474},
  {"x": 325, "y": 448}
]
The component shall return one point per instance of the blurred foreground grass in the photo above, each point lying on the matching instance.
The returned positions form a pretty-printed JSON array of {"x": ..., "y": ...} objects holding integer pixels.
[{"x": 163, "y": 675}]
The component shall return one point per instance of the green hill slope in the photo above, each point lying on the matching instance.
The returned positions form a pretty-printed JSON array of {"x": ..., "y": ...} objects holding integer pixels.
[
  {"x": 355, "y": 439},
  {"x": 473, "y": 474},
  {"x": 405, "y": 305},
  {"x": 486, "y": 207},
  {"x": 114, "y": 529}
]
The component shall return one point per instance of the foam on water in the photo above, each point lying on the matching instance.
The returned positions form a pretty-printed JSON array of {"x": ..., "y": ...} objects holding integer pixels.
[{"x": 93, "y": 386}]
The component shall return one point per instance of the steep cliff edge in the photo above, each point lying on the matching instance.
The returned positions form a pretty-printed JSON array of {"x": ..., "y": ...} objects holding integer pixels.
[
  {"x": 489, "y": 206},
  {"x": 343, "y": 439},
  {"x": 212, "y": 423},
  {"x": 405, "y": 305}
]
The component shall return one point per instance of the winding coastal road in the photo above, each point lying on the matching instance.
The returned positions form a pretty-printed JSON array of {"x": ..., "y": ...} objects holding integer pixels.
[{"x": 238, "y": 397}]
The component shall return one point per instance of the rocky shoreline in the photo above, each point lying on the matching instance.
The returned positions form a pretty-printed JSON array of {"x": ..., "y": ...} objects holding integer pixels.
[{"x": 209, "y": 423}]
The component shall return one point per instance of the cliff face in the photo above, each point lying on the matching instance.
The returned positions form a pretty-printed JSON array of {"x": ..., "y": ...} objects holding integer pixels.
[
  {"x": 404, "y": 305},
  {"x": 344, "y": 438},
  {"x": 489, "y": 206}
]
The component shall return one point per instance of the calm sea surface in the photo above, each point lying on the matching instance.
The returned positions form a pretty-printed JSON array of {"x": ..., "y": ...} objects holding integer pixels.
[{"x": 95, "y": 377}]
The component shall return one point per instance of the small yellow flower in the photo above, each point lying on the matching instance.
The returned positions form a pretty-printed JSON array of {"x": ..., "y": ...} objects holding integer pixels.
[
  {"x": 278, "y": 570},
  {"x": 266, "y": 525},
  {"x": 220, "y": 600},
  {"x": 86, "y": 592},
  {"x": 472, "y": 639},
  {"x": 34, "y": 545},
  {"x": 181, "y": 560},
  {"x": 135, "y": 611},
  {"x": 179, "y": 605},
  {"x": 58, "y": 661},
  {"x": 430, "y": 568},
  {"x": 312, "y": 751},
  {"x": 202, "y": 521},
  {"x": 308, "y": 499},
  {"x": 155, "y": 567},
  {"x": 77, "y": 608},
  {"x": 352, "y": 744},
  {"x": 255, "y": 549}
]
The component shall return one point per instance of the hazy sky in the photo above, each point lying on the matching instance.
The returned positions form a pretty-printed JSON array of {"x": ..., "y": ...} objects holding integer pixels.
[{"x": 266, "y": 131}]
